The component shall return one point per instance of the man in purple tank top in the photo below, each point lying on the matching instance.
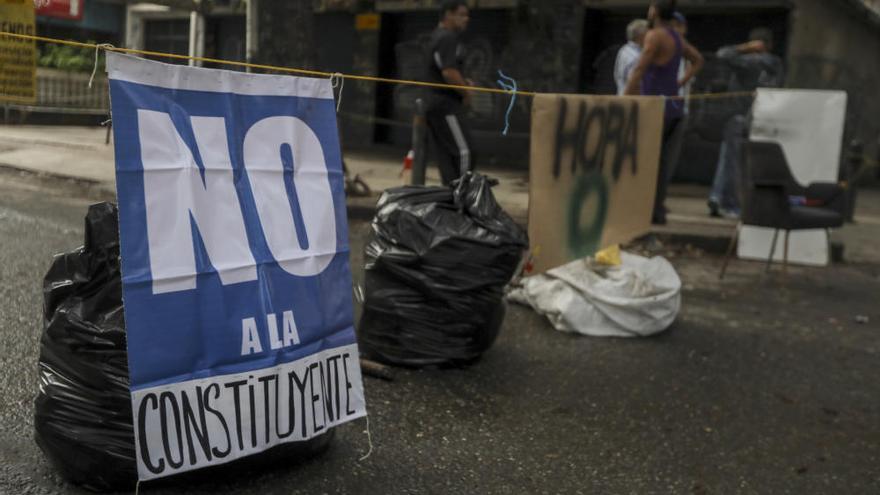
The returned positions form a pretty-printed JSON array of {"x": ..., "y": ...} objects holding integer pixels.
[{"x": 657, "y": 74}]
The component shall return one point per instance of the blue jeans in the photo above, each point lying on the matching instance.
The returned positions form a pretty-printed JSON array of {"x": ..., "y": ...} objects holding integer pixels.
[{"x": 725, "y": 185}]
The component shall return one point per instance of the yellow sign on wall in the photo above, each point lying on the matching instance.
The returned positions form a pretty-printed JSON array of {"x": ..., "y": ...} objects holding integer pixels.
[
  {"x": 367, "y": 22},
  {"x": 18, "y": 57}
]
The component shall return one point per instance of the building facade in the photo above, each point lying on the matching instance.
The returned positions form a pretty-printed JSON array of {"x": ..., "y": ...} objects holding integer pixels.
[
  {"x": 564, "y": 46},
  {"x": 546, "y": 45}
]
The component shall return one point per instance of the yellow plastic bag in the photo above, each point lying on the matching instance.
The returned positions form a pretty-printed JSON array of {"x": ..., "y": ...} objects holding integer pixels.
[{"x": 609, "y": 256}]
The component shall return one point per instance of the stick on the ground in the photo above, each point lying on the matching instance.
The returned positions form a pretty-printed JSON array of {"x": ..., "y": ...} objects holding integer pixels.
[{"x": 376, "y": 370}]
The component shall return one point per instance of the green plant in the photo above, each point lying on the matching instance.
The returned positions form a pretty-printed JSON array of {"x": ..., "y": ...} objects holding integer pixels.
[{"x": 69, "y": 58}]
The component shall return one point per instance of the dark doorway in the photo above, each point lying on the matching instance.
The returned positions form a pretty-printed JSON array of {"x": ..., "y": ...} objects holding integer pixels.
[
  {"x": 225, "y": 40},
  {"x": 403, "y": 41},
  {"x": 167, "y": 36},
  {"x": 708, "y": 30}
]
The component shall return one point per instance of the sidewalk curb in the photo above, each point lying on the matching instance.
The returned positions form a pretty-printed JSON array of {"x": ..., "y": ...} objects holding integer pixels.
[
  {"x": 718, "y": 244},
  {"x": 54, "y": 144},
  {"x": 357, "y": 207},
  {"x": 91, "y": 188},
  {"x": 363, "y": 208},
  {"x": 357, "y": 212}
]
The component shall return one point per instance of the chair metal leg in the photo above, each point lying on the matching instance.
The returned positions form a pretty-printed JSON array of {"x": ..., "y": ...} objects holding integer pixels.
[
  {"x": 772, "y": 251},
  {"x": 785, "y": 255},
  {"x": 828, "y": 236},
  {"x": 730, "y": 248}
]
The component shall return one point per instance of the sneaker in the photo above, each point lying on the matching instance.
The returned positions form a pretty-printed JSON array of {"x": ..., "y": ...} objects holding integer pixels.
[
  {"x": 714, "y": 209},
  {"x": 730, "y": 214}
]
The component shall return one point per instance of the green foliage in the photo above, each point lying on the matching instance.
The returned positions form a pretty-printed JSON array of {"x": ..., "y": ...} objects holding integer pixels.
[{"x": 69, "y": 58}]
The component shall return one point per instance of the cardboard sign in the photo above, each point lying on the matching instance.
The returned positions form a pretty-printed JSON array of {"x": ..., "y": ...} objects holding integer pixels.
[
  {"x": 235, "y": 271},
  {"x": 593, "y": 173},
  {"x": 18, "y": 57}
]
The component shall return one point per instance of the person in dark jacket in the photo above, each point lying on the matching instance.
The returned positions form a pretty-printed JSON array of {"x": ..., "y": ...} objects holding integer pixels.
[
  {"x": 445, "y": 107},
  {"x": 751, "y": 65}
]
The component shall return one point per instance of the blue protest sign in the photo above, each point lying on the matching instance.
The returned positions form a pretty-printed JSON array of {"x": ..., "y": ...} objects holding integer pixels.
[{"x": 234, "y": 245}]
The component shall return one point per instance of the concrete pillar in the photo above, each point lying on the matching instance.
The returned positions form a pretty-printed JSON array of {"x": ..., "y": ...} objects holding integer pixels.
[
  {"x": 285, "y": 34},
  {"x": 196, "y": 37},
  {"x": 833, "y": 45},
  {"x": 365, "y": 61},
  {"x": 251, "y": 30},
  {"x": 544, "y": 53}
]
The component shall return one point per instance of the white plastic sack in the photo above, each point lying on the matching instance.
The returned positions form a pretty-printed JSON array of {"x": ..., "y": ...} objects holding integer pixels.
[{"x": 640, "y": 297}]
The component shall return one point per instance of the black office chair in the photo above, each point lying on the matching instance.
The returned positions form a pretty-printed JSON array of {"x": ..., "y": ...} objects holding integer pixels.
[{"x": 771, "y": 197}]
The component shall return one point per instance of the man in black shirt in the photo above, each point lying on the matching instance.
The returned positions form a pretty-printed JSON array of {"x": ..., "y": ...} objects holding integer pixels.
[{"x": 445, "y": 106}]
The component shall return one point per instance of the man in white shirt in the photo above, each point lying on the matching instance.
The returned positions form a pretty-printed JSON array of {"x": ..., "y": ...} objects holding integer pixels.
[{"x": 629, "y": 54}]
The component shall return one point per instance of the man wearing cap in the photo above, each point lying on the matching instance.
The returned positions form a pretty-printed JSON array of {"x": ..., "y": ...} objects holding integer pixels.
[{"x": 752, "y": 65}]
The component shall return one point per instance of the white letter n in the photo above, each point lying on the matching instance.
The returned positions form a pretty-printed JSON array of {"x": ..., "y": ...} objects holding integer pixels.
[{"x": 174, "y": 190}]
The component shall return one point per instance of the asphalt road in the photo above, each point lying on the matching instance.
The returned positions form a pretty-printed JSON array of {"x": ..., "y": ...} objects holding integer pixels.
[{"x": 763, "y": 385}]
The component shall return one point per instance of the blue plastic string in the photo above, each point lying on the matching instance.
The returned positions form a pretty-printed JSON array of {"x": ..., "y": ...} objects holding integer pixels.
[{"x": 508, "y": 84}]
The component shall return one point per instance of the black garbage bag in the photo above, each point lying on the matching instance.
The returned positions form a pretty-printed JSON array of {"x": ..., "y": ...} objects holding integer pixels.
[
  {"x": 436, "y": 266},
  {"x": 83, "y": 417}
]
